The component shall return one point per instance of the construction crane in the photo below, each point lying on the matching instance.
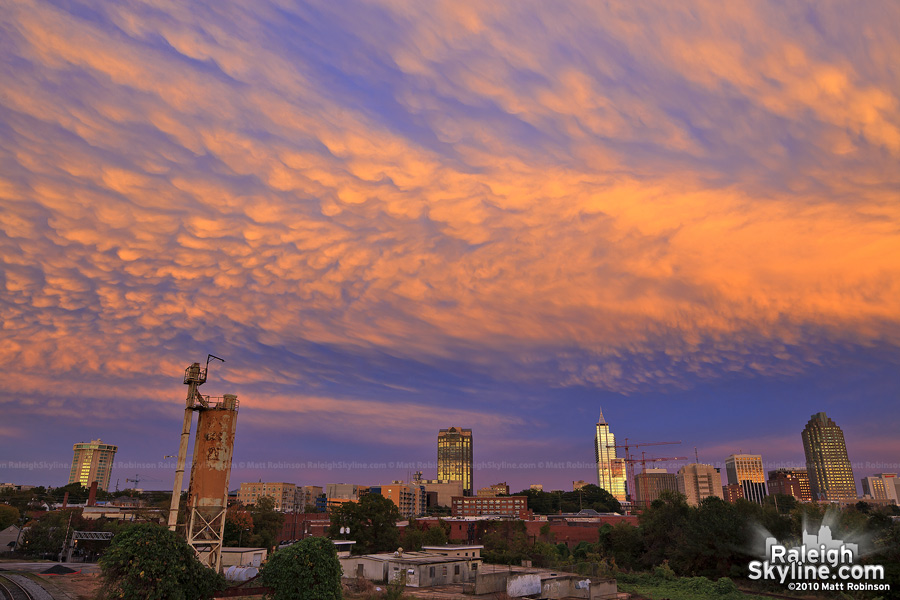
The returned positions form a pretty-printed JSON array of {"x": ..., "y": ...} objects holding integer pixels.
[
  {"x": 138, "y": 479},
  {"x": 644, "y": 460},
  {"x": 629, "y": 460}
]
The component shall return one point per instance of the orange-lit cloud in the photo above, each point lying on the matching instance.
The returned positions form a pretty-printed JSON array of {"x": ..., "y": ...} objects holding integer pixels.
[{"x": 622, "y": 198}]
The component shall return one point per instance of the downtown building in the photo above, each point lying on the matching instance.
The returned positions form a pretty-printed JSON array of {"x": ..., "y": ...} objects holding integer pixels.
[
  {"x": 409, "y": 498},
  {"x": 827, "y": 462},
  {"x": 746, "y": 470},
  {"x": 884, "y": 487},
  {"x": 455, "y": 457},
  {"x": 610, "y": 469},
  {"x": 697, "y": 481},
  {"x": 440, "y": 492},
  {"x": 337, "y": 494},
  {"x": 649, "y": 484},
  {"x": 515, "y": 507},
  {"x": 492, "y": 491},
  {"x": 790, "y": 482},
  {"x": 306, "y": 497},
  {"x": 732, "y": 492},
  {"x": 92, "y": 462},
  {"x": 283, "y": 494}
]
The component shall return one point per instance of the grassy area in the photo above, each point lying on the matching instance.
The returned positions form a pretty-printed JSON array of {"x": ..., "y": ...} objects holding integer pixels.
[{"x": 662, "y": 584}]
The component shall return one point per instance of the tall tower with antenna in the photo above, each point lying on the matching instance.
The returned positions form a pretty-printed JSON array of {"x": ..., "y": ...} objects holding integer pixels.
[{"x": 611, "y": 474}]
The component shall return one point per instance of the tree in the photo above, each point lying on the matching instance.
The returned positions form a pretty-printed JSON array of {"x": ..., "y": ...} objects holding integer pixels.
[
  {"x": 785, "y": 503},
  {"x": 438, "y": 511},
  {"x": 412, "y": 537},
  {"x": 716, "y": 533},
  {"x": 590, "y": 496},
  {"x": 9, "y": 515},
  {"x": 664, "y": 527},
  {"x": 623, "y": 542},
  {"x": 46, "y": 536},
  {"x": 148, "y": 562},
  {"x": 506, "y": 542},
  {"x": 435, "y": 536},
  {"x": 238, "y": 527},
  {"x": 597, "y": 498},
  {"x": 307, "y": 570},
  {"x": 77, "y": 493},
  {"x": 267, "y": 523},
  {"x": 372, "y": 522}
]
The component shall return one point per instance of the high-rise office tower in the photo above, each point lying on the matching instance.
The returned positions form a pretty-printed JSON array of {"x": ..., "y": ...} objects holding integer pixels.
[
  {"x": 93, "y": 462},
  {"x": 454, "y": 457},
  {"x": 649, "y": 484},
  {"x": 746, "y": 470},
  {"x": 830, "y": 473},
  {"x": 610, "y": 468},
  {"x": 697, "y": 481}
]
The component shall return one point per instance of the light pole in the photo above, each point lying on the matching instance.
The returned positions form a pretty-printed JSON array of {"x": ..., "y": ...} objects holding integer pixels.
[{"x": 241, "y": 535}]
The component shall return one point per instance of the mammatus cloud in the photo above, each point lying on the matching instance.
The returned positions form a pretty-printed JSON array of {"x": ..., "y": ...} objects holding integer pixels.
[{"x": 617, "y": 197}]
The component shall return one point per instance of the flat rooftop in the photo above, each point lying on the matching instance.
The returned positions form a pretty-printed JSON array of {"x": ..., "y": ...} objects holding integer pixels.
[{"x": 419, "y": 558}]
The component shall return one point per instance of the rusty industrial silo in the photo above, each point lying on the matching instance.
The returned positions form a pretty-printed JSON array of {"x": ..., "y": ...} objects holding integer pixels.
[{"x": 207, "y": 497}]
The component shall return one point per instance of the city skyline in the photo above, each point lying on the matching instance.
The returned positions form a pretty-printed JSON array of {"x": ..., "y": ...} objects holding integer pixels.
[
  {"x": 388, "y": 218},
  {"x": 731, "y": 471}
]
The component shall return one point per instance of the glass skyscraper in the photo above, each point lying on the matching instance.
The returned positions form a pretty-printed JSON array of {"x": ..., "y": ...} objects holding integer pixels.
[
  {"x": 92, "y": 462},
  {"x": 454, "y": 460},
  {"x": 746, "y": 470},
  {"x": 830, "y": 473},
  {"x": 610, "y": 468}
]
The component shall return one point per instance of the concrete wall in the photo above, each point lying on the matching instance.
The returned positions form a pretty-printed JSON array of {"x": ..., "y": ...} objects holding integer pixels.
[
  {"x": 525, "y": 584},
  {"x": 490, "y": 583},
  {"x": 373, "y": 570},
  {"x": 516, "y": 585}
]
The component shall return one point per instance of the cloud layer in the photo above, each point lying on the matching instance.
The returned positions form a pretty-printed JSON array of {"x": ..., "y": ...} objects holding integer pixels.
[{"x": 369, "y": 204}]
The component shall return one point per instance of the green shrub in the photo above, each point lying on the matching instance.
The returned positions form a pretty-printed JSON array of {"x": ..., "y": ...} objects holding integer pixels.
[
  {"x": 307, "y": 570},
  {"x": 725, "y": 586},
  {"x": 148, "y": 562},
  {"x": 664, "y": 571}
]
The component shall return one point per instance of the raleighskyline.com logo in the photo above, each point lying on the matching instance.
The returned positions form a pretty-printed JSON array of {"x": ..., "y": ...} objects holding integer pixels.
[{"x": 819, "y": 563}]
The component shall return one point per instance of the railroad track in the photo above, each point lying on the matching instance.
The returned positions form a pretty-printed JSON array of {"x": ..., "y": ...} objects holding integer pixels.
[{"x": 12, "y": 590}]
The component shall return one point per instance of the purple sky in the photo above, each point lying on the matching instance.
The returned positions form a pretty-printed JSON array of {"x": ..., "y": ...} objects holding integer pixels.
[{"x": 395, "y": 217}]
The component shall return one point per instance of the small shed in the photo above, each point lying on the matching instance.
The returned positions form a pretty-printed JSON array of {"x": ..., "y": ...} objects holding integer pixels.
[
  {"x": 421, "y": 569},
  {"x": 243, "y": 557}
]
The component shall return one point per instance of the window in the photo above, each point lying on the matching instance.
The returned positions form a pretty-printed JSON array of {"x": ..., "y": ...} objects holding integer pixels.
[
  {"x": 456, "y": 570},
  {"x": 431, "y": 571}
]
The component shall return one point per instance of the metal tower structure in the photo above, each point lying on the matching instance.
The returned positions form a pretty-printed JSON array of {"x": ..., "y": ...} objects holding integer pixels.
[{"x": 210, "y": 469}]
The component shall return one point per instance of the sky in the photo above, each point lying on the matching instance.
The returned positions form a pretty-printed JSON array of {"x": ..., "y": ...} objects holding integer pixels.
[{"x": 394, "y": 217}]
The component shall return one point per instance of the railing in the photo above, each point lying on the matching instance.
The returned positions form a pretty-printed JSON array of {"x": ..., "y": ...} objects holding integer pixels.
[{"x": 193, "y": 373}]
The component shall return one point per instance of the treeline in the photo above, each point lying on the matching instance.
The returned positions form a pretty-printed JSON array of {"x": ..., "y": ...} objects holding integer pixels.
[
  {"x": 713, "y": 540},
  {"x": 588, "y": 497}
]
